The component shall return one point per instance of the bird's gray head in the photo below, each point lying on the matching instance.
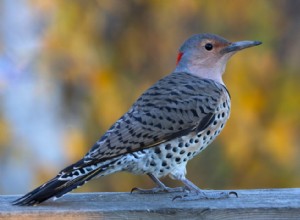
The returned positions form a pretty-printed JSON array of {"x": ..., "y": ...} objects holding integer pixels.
[{"x": 206, "y": 55}]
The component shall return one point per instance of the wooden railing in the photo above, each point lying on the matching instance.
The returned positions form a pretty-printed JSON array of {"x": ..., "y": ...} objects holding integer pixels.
[{"x": 251, "y": 204}]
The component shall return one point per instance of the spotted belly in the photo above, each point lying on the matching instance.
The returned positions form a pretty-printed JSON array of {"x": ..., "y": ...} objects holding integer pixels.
[{"x": 170, "y": 156}]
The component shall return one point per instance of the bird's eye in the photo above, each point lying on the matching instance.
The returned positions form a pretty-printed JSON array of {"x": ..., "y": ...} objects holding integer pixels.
[{"x": 208, "y": 46}]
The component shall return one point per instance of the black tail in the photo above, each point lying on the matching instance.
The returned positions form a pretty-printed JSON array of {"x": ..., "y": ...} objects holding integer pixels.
[{"x": 59, "y": 186}]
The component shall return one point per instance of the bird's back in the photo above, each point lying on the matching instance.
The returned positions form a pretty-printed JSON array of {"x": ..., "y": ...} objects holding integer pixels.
[
  {"x": 171, "y": 122},
  {"x": 175, "y": 106}
]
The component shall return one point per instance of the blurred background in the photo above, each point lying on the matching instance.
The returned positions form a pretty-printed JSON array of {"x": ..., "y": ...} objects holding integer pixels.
[{"x": 69, "y": 69}]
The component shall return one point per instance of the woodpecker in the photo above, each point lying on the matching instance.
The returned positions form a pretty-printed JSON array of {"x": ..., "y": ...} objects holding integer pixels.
[{"x": 168, "y": 125}]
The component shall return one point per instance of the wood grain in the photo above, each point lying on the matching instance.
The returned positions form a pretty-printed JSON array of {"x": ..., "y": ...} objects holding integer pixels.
[{"x": 251, "y": 204}]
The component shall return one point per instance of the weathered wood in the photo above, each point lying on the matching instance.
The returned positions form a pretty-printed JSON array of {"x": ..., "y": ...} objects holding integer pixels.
[{"x": 251, "y": 204}]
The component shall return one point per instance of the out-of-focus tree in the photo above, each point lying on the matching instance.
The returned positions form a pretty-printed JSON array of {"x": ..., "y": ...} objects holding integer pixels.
[{"x": 104, "y": 54}]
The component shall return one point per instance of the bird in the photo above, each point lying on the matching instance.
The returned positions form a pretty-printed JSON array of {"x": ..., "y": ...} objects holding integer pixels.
[{"x": 169, "y": 124}]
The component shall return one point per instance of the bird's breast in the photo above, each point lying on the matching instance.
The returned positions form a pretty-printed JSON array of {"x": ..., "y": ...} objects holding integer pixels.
[{"x": 167, "y": 157}]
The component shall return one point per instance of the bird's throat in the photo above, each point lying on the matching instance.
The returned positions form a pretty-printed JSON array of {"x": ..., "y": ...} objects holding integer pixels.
[{"x": 203, "y": 72}]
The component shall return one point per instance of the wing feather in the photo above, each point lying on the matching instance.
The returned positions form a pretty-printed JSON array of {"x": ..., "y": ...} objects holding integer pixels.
[{"x": 175, "y": 106}]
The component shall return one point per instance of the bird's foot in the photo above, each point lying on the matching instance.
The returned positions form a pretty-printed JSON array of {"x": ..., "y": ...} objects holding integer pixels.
[
  {"x": 159, "y": 189},
  {"x": 207, "y": 194}
]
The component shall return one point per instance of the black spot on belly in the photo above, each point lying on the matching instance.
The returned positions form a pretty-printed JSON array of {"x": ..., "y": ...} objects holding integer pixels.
[
  {"x": 157, "y": 150},
  {"x": 152, "y": 163},
  {"x": 168, "y": 147},
  {"x": 177, "y": 159},
  {"x": 169, "y": 155}
]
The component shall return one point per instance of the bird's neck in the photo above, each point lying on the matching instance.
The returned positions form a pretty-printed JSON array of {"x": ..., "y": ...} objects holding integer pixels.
[{"x": 214, "y": 73}]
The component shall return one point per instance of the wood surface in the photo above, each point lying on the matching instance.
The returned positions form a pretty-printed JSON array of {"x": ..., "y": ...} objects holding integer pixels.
[{"x": 251, "y": 204}]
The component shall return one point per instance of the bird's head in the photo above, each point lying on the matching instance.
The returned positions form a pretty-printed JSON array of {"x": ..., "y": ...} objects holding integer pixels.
[{"x": 206, "y": 55}]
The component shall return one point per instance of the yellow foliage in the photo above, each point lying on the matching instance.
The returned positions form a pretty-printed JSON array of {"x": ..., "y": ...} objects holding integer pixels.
[
  {"x": 4, "y": 133},
  {"x": 75, "y": 144},
  {"x": 279, "y": 143},
  {"x": 107, "y": 99}
]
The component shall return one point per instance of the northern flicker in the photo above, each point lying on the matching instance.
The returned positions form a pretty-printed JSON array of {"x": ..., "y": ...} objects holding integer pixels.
[{"x": 169, "y": 124}]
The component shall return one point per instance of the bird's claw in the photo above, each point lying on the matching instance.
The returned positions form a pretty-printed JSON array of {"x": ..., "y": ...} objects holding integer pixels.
[
  {"x": 134, "y": 189},
  {"x": 147, "y": 191},
  {"x": 203, "y": 195},
  {"x": 233, "y": 193},
  {"x": 178, "y": 197},
  {"x": 159, "y": 190}
]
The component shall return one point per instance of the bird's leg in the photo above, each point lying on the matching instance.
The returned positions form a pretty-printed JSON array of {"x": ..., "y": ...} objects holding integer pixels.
[
  {"x": 160, "y": 187},
  {"x": 197, "y": 193}
]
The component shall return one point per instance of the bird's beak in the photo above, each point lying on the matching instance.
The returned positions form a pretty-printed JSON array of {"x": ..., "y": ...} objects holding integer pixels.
[{"x": 240, "y": 45}]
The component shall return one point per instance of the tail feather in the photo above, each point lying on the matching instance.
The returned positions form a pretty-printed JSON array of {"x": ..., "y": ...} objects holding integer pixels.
[{"x": 57, "y": 187}]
